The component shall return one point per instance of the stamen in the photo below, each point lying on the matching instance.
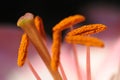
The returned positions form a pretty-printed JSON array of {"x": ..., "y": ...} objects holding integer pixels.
[
  {"x": 55, "y": 61},
  {"x": 80, "y": 36},
  {"x": 88, "y": 29},
  {"x": 57, "y": 30},
  {"x": 56, "y": 50},
  {"x": 27, "y": 24},
  {"x": 68, "y": 22},
  {"x": 84, "y": 40},
  {"x": 22, "y": 52},
  {"x": 40, "y": 27},
  {"x": 62, "y": 72},
  {"x": 76, "y": 60},
  {"x": 88, "y": 66},
  {"x": 33, "y": 70}
]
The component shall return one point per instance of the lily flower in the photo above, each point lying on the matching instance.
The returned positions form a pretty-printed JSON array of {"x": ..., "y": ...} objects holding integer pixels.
[{"x": 75, "y": 36}]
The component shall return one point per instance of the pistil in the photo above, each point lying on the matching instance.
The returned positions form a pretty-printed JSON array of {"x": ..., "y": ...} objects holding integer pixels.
[{"x": 26, "y": 22}]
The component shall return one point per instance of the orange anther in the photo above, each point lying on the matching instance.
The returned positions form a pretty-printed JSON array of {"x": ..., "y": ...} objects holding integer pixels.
[
  {"x": 56, "y": 50},
  {"x": 68, "y": 22},
  {"x": 84, "y": 40},
  {"x": 40, "y": 27},
  {"x": 22, "y": 53},
  {"x": 88, "y": 29}
]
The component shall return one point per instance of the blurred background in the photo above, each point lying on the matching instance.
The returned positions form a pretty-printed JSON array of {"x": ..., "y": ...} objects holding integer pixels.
[
  {"x": 96, "y": 11},
  {"x": 51, "y": 11}
]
